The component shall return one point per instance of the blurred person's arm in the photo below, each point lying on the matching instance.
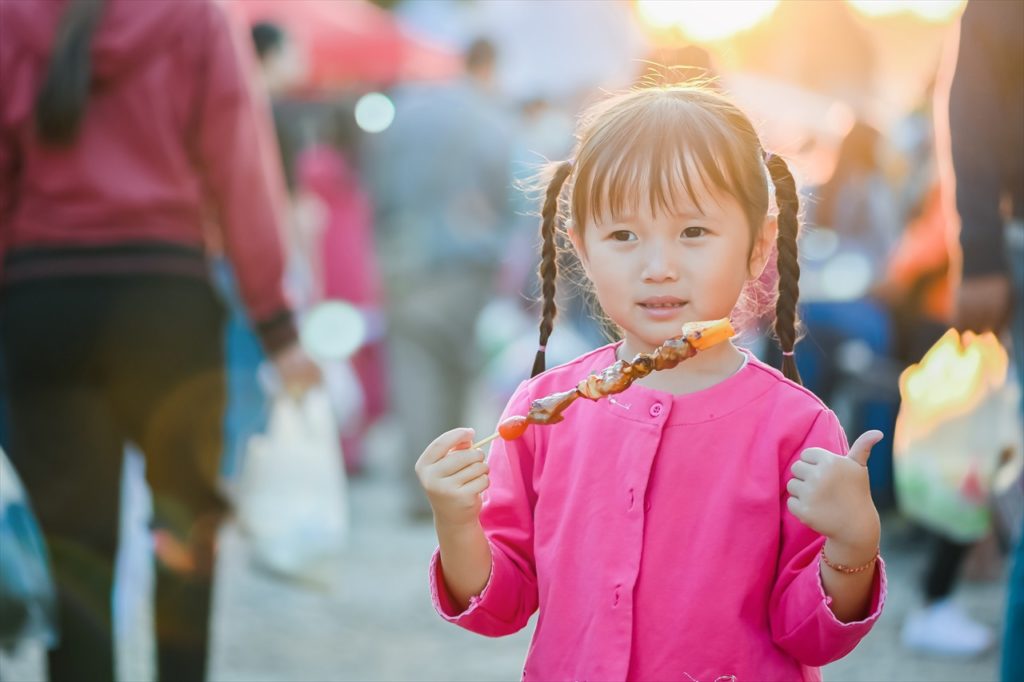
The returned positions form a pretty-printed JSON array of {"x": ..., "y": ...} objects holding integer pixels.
[
  {"x": 8, "y": 183},
  {"x": 242, "y": 172},
  {"x": 978, "y": 129},
  {"x": 243, "y": 178}
]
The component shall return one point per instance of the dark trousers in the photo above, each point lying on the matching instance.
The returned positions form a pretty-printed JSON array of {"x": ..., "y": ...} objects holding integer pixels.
[
  {"x": 93, "y": 363},
  {"x": 944, "y": 568}
]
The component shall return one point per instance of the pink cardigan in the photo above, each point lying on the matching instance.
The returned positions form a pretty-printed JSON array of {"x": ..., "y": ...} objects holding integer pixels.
[{"x": 651, "y": 531}]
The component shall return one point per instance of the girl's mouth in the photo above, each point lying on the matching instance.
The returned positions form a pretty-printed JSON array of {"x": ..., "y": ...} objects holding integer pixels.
[
  {"x": 662, "y": 303},
  {"x": 662, "y": 307}
]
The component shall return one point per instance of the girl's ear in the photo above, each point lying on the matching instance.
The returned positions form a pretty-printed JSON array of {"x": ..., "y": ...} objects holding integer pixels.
[{"x": 763, "y": 244}]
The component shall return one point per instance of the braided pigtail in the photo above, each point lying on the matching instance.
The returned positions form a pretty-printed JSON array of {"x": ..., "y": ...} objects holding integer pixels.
[
  {"x": 62, "y": 99},
  {"x": 548, "y": 270},
  {"x": 788, "y": 265}
]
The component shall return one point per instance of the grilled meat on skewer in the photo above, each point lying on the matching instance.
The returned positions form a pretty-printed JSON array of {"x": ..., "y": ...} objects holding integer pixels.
[{"x": 619, "y": 376}]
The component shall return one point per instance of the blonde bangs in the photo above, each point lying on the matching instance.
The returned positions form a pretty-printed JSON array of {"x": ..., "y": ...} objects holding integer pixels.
[{"x": 655, "y": 146}]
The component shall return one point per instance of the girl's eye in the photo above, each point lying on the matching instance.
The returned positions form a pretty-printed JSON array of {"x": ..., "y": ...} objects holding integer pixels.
[
  {"x": 694, "y": 232},
  {"x": 622, "y": 236}
]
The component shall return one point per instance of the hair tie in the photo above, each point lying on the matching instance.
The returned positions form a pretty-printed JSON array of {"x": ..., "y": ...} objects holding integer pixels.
[
  {"x": 788, "y": 353},
  {"x": 767, "y": 157},
  {"x": 571, "y": 161},
  {"x": 542, "y": 348}
]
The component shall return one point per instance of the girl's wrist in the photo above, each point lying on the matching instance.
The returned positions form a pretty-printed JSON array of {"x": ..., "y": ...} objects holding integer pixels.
[
  {"x": 862, "y": 535},
  {"x": 850, "y": 554},
  {"x": 457, "y": 530},
  {"x": 848, "y": 569}
]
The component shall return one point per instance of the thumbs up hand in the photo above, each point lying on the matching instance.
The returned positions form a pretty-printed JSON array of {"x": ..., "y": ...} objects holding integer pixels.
[{"x": 831, "y": 494}]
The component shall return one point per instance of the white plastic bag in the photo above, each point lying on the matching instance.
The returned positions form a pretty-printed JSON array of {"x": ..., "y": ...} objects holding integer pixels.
[
  {"x": 293, "y": 501},
  {"x": 28, "y": 600},
  {"x": 958, "y": 435}
]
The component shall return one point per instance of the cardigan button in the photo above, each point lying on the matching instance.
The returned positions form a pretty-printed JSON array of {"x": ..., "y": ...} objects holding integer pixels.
[{"x": 656, "y": 409}]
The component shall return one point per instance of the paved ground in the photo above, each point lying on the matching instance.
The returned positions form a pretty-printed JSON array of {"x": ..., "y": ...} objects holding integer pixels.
[{"x": 379, "y": 624}]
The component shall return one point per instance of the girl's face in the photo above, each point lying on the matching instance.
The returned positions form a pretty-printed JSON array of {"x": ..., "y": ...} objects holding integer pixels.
[{"x": 655, "y": 271}]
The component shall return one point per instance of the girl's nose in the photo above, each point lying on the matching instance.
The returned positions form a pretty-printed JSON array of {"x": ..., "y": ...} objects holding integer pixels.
[{"x": 659, "y": 266}]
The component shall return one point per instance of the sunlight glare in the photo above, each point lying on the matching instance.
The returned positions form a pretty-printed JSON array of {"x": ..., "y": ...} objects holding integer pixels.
[
  {"x": 937, "y": 11},
  {"x": 705, "y": 20}
]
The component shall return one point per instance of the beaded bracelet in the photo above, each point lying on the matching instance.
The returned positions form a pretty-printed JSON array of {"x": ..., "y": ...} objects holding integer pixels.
[{"x": 846, "y": 569}]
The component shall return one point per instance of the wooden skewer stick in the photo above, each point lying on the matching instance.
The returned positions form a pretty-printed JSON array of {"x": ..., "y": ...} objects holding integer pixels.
[{"x": 485, "y": 441}]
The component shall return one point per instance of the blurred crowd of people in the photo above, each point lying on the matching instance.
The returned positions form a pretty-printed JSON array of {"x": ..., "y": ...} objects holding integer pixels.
[{"x": 223, "y": 243}]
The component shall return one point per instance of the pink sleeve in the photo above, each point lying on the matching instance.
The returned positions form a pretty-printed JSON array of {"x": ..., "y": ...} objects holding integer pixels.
[
  {"x": 510, "y": 596},
  {"x": 243, "y": 176},
  {"x": 8, "y": 176},
  {"x": 802, "y": 624}
]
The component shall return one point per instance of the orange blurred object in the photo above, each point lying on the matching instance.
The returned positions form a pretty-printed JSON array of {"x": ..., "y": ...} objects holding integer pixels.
[
  {"x": 921, "y": 259},
  {"x": 513, "y": 427},
  {"x": 351, "y": 42}
]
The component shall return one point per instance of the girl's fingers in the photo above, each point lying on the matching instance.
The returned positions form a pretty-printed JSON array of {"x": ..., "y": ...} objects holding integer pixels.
[
  {"x": 456, "y": 461},
  {"x": 801, "y": 469},
  {"x": 860, "y": 451},
  {"x": 467, "y": 474},
  {"x": 796, "y": 487},
  {"x": 477, "y": 485},
  {"x": 444, "y": 443},
  {"x": 795, "y": 507},
  {"x": 812, "y": 455}
]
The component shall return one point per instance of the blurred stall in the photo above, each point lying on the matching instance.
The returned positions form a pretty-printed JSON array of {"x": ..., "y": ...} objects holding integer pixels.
[
  {"x": 559, "y": 50},
  {"x": 351, "y": 43}
]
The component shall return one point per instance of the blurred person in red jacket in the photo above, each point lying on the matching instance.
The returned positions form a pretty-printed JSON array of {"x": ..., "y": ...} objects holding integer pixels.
[
  {"x": 348, "y": 270},
  {"x": 127, "y": 130}
]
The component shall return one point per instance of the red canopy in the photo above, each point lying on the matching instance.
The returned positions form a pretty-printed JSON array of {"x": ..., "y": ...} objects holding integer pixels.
[{"x": 352, "y": 42}]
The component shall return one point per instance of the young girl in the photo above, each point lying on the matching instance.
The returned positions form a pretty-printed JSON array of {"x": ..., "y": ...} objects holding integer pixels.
[{"x": 710, "y": 523}]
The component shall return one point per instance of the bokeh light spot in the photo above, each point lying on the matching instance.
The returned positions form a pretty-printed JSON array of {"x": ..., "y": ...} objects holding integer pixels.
[
  {"x": 374, "y": 112},
  {"x": 333, "y": 330}
]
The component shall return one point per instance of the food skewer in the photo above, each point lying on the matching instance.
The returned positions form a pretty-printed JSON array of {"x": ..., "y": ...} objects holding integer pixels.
[
  {"x": 696, "y": 336},
  {"x": 484, "y": 441}
]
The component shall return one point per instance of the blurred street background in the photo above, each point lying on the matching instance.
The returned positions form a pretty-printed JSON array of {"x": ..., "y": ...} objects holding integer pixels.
[{"x": 404, "y": 133}]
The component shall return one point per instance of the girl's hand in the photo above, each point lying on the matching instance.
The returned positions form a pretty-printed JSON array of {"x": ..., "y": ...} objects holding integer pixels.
[
  {"x": 453, "y": 479},
  {"x": 831, "y": 494}
]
